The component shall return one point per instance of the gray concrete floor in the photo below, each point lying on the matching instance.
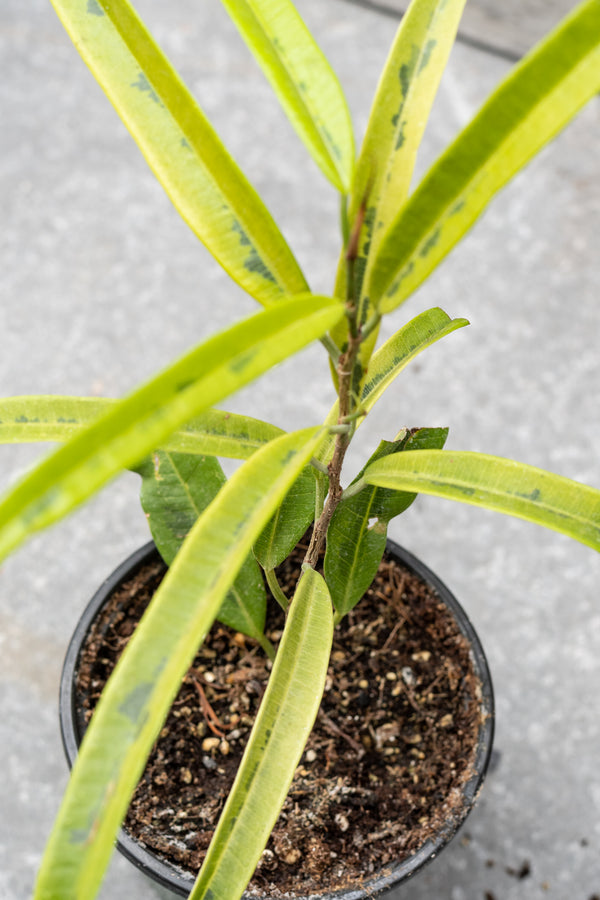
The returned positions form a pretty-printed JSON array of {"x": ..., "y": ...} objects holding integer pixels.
[{"x": 102, "y": 283}]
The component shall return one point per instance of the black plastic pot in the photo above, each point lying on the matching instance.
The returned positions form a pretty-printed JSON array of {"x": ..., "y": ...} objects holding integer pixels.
[{"x": 181, "y": 883}]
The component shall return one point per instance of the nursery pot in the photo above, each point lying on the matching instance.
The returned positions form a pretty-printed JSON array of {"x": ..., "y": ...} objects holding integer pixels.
[{"x": 180, "y": 882}]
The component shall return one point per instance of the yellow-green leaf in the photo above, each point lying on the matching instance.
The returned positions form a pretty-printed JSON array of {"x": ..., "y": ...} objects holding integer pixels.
[
  {"x": 387, "y": 363},
  {"x": 403, "y": 346},
  {"x": 214, "y": 432},
  {"x": 283, "y": 724},
  {"x": 181, "y": 147},
  {"x": 139, "y": 423},
  {"x": 140, "y": 691},
  {"x": 531, "y": 105},
  {"x": 496, "y": 483},
  {"x": 303, "y": 80},
  {"x": 399, "y": 114}
]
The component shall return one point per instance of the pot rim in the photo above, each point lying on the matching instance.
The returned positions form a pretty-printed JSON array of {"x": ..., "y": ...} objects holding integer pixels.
[{"x": 179, "y": 881}]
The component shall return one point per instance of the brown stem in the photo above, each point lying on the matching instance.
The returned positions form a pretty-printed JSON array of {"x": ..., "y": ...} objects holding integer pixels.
[{"x": 344, "y": 369}]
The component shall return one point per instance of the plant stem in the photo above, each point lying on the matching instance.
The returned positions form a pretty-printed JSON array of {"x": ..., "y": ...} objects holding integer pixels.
[
  {"x": 345, "y": 372},
  {"x": 319, "y": 466},
  {"x": 275, "y": 589},
  {"x": 268, "y": 647},
  {"x": 353, "y": 489},
  {"x": 332, "y": 348}
]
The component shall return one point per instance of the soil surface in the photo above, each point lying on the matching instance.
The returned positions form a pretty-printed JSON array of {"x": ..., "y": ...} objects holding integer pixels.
[{"x": 393, "y": 744}]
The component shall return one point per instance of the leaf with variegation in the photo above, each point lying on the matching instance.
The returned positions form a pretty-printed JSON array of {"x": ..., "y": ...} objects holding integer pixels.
[
  {"x": 303, "y": 80},
  {"x": 181, "y": 147},
  {"x": 532, "y": 104},
  {"x": 283, "y": 724},
  {"x": 496, "y": 483},
  {"x": 140, "y": 691},
  {"x": 135, "y": 426},
  {"x": 399, "y": 114},
  {"x": 214, "y": 432}
]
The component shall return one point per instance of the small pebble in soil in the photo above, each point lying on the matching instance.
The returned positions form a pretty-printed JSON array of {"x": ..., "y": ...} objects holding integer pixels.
[
  {"x": 408, "y": 676},
  {"x": 342, "y": 822}
]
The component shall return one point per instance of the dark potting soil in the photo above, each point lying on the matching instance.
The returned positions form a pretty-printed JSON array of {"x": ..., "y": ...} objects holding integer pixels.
[{"x": 393, "y": 744}]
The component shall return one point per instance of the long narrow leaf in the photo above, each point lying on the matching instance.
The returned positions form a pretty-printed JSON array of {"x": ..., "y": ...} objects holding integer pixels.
[
  {"x": 56, "y": 418},
  {"x": 181, "y": 147},
  {"x": 285, "y": 718},
  {"x": 399, "y": 114},
  {"x": 138, "y": 424},
  {"x": 387, "y": 363},
  {"x": 303, "y": 80},
  {"x": 500, "y": 484},
  {"x": 403, "y": 346},
  {"x": 532, "y": 104},
  {"x": 146, "y": 679}
]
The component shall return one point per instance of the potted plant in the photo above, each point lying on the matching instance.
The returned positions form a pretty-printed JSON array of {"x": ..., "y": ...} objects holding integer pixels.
[{"x": 392, "y": 240}]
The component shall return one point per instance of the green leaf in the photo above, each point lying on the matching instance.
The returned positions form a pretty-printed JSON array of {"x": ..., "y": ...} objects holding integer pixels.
[
  {"x": 414, "y": 337},
  {"x": 500, "y": 484},
  {"x": 181, "y": 147},
  {"x": 531, "y": 105},
  {"x": 54, "y": 418},
  {"x": 303, "y": 80},
  {"x": 410, "y": 340},
  {"x": 281, "y": 729},
  {"x": 245, "y": 605},
  {"x": 358, "y": 531},
  {"x": 399, "y": 114},
  {"x": 289, "y": 523},
  {"x": 176, "y": 488},
  {"x": 135, "y": 426},
  {"x": 140, "y": 691}
]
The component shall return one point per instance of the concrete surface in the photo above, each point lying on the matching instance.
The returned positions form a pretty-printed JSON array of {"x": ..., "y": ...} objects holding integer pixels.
[
  {"x": 102, "y": 283},
  {"x": 510, "y": 27}
]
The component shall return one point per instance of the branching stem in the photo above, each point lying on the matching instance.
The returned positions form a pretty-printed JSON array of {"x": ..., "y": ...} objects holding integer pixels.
[{"x": 347, "y": 406}]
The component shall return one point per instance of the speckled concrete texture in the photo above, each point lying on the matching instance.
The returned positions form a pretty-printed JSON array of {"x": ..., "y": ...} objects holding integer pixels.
[
  {"x": 102, "y": 283},
  {"x": 509, "y": 28}
]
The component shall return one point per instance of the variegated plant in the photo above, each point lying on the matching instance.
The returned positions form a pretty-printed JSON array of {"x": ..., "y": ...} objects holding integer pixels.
[{"x": 169, "y": 431}]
